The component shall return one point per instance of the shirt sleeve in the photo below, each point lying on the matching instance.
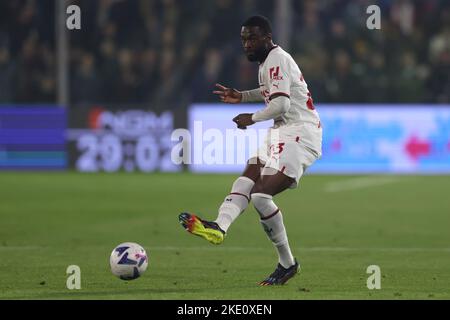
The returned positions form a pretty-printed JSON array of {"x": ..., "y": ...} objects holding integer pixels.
[
  {"x": 275, "y": 108},
  {"x": 279, "y": 77},
  {"x": 252, "y": 96}
]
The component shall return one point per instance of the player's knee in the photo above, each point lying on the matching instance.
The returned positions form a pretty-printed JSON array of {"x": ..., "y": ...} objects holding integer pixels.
[
  {"x": 255, "y": 189},
  {"x": 253, "y": 169},
  {"x": 261, "y": 187}
]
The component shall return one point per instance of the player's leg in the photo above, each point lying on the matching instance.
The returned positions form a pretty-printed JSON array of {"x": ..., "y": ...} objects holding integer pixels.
[
  {"x": 239, "y": 197},
  {"x": 233, "y": 205},
  {"x": 272, "y": 221}
]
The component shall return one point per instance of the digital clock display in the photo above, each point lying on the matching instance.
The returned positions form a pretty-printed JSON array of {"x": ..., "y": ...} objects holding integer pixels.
[{"x": 129, "y": 140}]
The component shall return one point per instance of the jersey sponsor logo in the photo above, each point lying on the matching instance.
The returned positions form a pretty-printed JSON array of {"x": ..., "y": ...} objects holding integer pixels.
[{"x": 274, "y": 73}]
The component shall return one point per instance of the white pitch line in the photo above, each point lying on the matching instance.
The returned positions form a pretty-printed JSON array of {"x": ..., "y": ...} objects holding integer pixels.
[
  {"x": 325, "y": 249},
  {"x": 358, "y": 183}
]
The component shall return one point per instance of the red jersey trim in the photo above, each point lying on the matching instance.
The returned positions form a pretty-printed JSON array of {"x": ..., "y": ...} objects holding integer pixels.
[
  {"x": 271, "y": 215},
  {"x": 280, "y": 94},
  {"x": 240, "y": 194}
]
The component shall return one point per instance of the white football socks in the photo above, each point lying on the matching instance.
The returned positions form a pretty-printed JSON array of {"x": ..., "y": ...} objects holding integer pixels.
[
  {"x": 272, "y": 222},
  {"x": 235, "y": 202}
]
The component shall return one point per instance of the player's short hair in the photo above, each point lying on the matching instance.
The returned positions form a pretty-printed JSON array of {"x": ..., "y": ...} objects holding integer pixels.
[{"x": 259, "y": 21}]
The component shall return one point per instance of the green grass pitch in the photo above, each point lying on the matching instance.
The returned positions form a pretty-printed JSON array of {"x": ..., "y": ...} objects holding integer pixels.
[{"x": 337, "y": 227}]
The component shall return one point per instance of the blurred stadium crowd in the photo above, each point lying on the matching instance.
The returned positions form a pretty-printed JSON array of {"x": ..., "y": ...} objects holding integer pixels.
[{"x": 169, "y": 53}]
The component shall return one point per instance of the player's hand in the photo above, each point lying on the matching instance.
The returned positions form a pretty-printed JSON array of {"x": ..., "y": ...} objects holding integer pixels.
[
  {"x": 243, "y": 120},
  {"x": 228, "y": 95}
]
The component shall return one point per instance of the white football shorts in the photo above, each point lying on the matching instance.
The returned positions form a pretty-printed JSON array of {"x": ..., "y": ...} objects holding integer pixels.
[{"x": 290, "y": 150}]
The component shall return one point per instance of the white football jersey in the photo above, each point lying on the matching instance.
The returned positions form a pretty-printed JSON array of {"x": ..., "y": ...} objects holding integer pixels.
[{"x": 279, "y": 73}]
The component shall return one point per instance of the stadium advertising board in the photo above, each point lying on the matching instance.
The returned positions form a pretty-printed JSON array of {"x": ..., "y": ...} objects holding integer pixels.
[
  {"x": 101, "y": 139},
  {"x": 410, "y": 139},
  {"x": 32, "y": 137}
]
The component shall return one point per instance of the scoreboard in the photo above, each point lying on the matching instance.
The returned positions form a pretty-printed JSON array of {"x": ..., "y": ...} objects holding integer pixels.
[{"x": 101, "y": 139}]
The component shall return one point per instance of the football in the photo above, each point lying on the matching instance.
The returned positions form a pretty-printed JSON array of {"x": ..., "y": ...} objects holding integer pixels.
[{"x": 128, "y": 261}]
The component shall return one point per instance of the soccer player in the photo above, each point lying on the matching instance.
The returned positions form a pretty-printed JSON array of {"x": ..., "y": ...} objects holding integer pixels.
[{"x": 279, "y": 163}]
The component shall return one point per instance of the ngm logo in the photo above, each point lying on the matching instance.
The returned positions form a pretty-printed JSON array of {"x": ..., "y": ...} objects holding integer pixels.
[{"x": 129, "y": 123}]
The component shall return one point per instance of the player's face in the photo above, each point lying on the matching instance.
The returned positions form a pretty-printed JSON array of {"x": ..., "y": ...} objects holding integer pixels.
[{"x": 254, "y": 43}]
